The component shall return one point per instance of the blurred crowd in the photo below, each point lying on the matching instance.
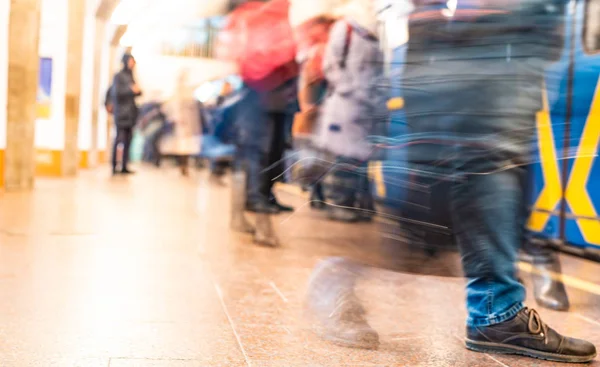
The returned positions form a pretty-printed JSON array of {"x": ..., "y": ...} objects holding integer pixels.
[{"x": 441, "y": 96}]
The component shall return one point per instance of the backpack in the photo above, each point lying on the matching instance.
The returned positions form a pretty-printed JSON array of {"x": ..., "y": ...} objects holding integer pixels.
[{"x": 108, "y": 105}]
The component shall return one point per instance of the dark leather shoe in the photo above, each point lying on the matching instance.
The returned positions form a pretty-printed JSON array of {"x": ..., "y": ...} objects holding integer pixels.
[
  {"x": 285, "y": 208},
  {"x": 127, "y": 172},
  {"x": 263, "y": 207},
  {"x": 527, "y": 335},
  {"x": 282, "y": 208}
]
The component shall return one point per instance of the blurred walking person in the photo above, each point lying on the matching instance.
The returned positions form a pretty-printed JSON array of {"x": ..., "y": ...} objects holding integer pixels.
[
  {"x": 152, "y": 123},
  {"x": 183, "y": 110},
  {"x": 124, "y": 91},
  {"x": 353, "y": 110},
  {"x": 472, "y": 83}
]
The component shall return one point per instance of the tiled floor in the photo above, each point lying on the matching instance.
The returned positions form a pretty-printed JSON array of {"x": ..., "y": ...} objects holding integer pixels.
[{"x": 143, "y": 271}]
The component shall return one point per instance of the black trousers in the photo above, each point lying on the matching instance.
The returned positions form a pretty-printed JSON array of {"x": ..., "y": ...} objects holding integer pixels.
[
  {"x": 124, "y": 136},
  {"x": 262, "y": 159},
  {"x": 275, "y": 160}
]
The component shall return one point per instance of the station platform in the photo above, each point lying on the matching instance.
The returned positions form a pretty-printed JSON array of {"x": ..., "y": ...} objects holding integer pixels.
[{"x": 143, "y": 271}]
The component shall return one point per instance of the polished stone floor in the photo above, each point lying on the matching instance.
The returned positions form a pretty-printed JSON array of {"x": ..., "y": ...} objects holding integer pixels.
[{"x": 143, "y": 271}]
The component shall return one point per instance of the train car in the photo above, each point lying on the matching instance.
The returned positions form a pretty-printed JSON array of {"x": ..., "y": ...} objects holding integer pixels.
[
  {"x": 565, "y": 173},
  {"x": 566, "y": 180}
]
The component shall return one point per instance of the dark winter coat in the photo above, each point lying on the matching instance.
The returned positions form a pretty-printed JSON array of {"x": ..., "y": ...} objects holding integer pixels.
[{"x": 125, "y": 109}]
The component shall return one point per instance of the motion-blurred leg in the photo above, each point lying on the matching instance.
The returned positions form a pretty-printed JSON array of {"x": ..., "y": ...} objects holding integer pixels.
[
  {"x": 258, "y": 185},
  {"x": 275, "y": 160},
  {"x": 333, "y": 308},
  {"x": 487, "y": 217},
  {"x": 239, "y": 223},
  {"x": 265, "y": 233},
  {"x": 548, "y": 288},
  {"x": 340, "y": 188},
  {"x": 317, "y": 199},
  {"x": 127, "y": 138}
]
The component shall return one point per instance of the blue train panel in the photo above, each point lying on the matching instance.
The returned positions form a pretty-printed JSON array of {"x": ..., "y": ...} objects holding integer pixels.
[
  {"x": 546, "y": 170},
  {"x": 583, "y": 190}
]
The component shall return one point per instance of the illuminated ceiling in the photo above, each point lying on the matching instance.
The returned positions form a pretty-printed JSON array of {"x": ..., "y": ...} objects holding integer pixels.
[{"x": 149, "y": 19}]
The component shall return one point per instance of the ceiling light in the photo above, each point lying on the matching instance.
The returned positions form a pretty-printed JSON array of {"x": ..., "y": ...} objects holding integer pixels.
[{"x": 125, "y": 11}]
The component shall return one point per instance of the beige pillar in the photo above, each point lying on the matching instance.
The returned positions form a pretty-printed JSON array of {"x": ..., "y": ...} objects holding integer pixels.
[
  {"x": 97, "y": 96},
  {"x": 23, "y": 68},
  {"x": 112, "y": 69},
  {"x": 70, "y": 161}
]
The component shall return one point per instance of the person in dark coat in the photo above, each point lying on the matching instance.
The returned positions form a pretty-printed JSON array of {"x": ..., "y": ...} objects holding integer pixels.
[{"x": 124, "y": 91}]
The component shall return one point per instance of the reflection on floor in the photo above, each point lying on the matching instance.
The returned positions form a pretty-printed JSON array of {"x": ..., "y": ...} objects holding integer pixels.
[{"x": 143, "y": 271}]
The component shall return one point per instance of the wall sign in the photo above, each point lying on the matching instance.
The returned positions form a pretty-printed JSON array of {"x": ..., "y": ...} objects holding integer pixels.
[{"x": 44, "y": 94}]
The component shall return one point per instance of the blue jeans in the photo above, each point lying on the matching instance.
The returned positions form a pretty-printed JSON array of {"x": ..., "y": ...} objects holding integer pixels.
[
  {"x": 472, "y": 111},
  {"x": 488, "y": 218},
  {"x": 486, "y": 213}
]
